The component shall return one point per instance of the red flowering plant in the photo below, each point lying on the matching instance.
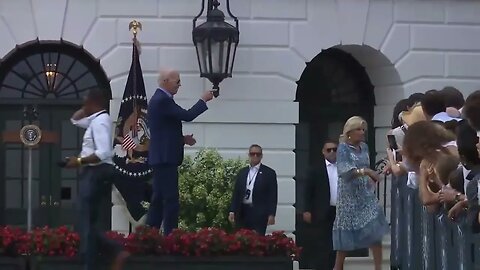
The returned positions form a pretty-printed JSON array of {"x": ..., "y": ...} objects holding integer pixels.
[
  {"x": 46, "y": 241},
  {"x": 145, "y": 241},
  {"x": 247, "y": 242},
  {"x": 9, "y": 238},
  {"x": 281, "y": 245},
  {"x": 216, "y": 242},
  {"x": 117, "y": 237},
  {"x": 180, "y": 242},
  {"x": 149, "y": 241},
  {"x": 211, "y": 242}
]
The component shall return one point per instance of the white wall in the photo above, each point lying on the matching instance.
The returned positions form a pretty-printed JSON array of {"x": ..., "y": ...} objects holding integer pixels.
[{"x": 412, "y": 46}]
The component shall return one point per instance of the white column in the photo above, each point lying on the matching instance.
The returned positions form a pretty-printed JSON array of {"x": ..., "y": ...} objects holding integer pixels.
[{"x": 120, "y": 222}]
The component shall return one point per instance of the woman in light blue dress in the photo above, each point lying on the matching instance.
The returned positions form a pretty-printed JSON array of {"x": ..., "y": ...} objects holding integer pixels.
[{"x": 360, "y": 222}]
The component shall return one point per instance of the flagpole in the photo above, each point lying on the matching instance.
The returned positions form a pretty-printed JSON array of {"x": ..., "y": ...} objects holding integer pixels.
[{"x": 135, "y": 26}]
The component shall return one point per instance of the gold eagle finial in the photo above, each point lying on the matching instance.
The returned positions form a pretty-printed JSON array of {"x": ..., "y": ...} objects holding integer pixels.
[{"x": 135, "y": 25}]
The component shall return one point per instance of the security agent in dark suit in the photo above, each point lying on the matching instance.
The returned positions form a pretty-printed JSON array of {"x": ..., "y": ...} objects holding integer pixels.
[
  {"x": 320, "y": 202},
  {"x": 255, "y": 195},
  {"x": 166, "y": 148}
]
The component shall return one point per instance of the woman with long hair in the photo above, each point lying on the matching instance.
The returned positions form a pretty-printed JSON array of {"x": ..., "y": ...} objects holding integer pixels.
[{"x": 360, "y": 222}]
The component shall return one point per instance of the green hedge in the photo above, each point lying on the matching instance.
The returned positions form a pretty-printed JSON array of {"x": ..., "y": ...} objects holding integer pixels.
[{"x": 206, "y": 184}]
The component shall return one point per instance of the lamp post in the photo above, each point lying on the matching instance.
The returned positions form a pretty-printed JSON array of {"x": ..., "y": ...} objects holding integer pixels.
[{"x": 216, "y": 43}]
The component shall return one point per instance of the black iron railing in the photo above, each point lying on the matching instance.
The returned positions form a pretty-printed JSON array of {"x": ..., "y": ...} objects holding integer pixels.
[{"x": 383, "y": 188}]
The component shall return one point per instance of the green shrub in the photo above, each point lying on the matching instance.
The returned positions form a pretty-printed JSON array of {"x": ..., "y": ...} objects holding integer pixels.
[{"x": 206, "y": 186}]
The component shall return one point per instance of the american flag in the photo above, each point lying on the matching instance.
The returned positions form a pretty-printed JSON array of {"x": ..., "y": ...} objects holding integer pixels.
[
  {"x": 130, "y": 140},
  {"x": 132, "y": 177}
]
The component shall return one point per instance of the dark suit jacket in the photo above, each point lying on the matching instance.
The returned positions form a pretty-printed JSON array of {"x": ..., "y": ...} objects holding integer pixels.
[
  {"x": 317, "y": 193},
  {"x": 165, "y": 120},
  {"x": 458, "y": 180},
  {"x": 265, "y": 193},
  {"x": 472, "y": 195}
]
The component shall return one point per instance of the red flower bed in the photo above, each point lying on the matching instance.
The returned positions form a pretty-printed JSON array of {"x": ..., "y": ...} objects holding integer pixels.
[
  {"x": 216, "y": 242},
  {"x": 9, "y": 237},
  {"x": 148, "y": 241},
  {"x": 49, "y": 242}
]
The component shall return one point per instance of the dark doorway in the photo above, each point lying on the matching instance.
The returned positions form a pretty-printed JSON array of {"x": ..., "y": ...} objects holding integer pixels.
[
  {"x": 53, "y": 76},
  {"x": 332, "y": 88}
]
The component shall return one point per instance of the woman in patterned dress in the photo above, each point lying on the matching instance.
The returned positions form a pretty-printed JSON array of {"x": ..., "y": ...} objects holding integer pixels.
[{"x": 360, "y": 222}]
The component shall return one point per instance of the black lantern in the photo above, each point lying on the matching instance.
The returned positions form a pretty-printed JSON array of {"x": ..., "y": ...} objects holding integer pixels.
[{"x": 216, "y": 43}]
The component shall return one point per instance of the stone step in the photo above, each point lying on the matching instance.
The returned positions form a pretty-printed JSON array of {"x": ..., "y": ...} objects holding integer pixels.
[{"x": 366, "y": 263}]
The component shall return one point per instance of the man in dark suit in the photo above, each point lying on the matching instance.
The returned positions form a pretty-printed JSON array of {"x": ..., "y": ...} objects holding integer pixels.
[
  {"x": 320, "y": 202},
  {"x": 254, "y": 199},
  {"x": 166, "y": 148}
]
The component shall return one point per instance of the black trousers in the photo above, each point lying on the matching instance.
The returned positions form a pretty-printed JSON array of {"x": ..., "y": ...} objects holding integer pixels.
[
  {"x": 252, "y": 218},
  {"x": 95, "y": 185},
  {"x": 326, "y": 254}
]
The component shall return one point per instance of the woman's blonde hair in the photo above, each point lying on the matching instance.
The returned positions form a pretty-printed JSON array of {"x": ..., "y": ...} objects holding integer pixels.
[
  {"x": 423, "y": 140},
  {"x": 353, "y": 123}
]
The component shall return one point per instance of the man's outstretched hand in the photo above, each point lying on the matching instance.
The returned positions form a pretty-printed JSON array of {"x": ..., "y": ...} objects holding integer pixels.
[
  {"x": 207, "y": 96},
  {"x": 189, "y": 140}
]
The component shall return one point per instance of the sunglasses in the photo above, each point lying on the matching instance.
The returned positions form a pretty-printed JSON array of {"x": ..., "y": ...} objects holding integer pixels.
[
  {"x": 329, "y": 150},
  {"x": 256, "y": 154}
]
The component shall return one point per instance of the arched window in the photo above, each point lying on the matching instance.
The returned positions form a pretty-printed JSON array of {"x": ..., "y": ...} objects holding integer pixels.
[{"x": 50, "y": 70}]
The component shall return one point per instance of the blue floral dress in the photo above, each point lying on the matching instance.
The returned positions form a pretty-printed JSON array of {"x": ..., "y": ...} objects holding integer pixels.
[{"x": 360, "y": 221}]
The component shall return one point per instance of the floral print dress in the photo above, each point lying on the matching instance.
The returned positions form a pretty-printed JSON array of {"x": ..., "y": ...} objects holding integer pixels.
[{"x": 360, "y": 221}]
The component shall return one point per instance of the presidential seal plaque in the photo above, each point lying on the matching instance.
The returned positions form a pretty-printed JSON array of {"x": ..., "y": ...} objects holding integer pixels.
[{"x": 30, "y": 135}]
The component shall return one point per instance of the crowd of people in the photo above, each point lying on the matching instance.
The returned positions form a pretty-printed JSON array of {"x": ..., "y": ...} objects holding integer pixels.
[
  {"x": 433, "y": 146},
  {"x": 438, "y": 157},
  {"x": 437, "y": 133}
]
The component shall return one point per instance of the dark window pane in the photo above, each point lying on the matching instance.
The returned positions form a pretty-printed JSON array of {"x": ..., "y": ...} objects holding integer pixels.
[
  {"x": 88, "y": 81},
  {"x": 7, "y": 92},
  {"x": 14, "y": 81},
  {"x": 12, "y": 125},
  {"x": 35, "y": 193},
  {"x": 69, "y": 173},
  {"x": 13, "y": 194},
  {"x": 23, "y": 69},
  {"x": 69, "y": 135},
  {"x": 13, "y": 163}
]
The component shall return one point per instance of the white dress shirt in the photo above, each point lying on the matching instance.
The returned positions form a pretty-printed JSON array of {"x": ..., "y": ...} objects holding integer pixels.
[
  {"x": 98, "y": 138},
  {"x": 444, "y": 117},
  {"x": 333, "y": 180},
  {"x": 465, "y": 180},
  {"x": 251, "y": 177},
  {"x": 412, "y": 181}
]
